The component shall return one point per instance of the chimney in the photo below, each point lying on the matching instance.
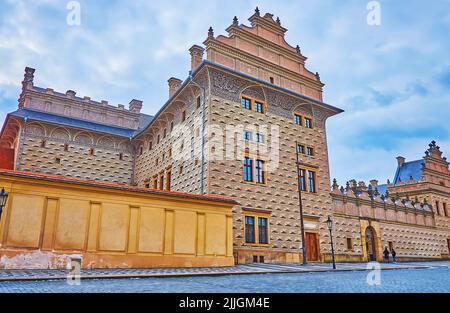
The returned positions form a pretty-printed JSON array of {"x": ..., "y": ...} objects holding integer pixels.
[
  {"x": 135, "y": 106},
  {"x": 196, "y": 56},
  {"x": 28, "y": 77},
  {"x": 174, "y": 84},
  {"x": 400, "y": 161},
  {"x": 70, "y": 94},
  {"x": 374, "y": 182}
]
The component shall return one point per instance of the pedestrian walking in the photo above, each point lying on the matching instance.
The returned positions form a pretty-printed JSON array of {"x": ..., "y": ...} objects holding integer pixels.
[
  {"x": 386, "y": 255},
  {"x": 393, "y": 255}
]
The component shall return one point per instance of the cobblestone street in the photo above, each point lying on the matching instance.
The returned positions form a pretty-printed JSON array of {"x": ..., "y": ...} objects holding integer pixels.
[{"x": 406, "y": 277}]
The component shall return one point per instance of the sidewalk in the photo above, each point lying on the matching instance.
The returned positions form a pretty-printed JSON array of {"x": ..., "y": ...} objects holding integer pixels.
[{"x": 257, "y": 268}]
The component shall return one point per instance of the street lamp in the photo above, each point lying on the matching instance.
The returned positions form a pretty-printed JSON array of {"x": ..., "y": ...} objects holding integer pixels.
[
  {"x": 3, "y": 198},
  {"x": 330, "y": 228}
]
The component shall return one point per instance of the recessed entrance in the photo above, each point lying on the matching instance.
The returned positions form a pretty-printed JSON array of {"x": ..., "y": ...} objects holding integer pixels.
[{"x": 370, "y": 244}]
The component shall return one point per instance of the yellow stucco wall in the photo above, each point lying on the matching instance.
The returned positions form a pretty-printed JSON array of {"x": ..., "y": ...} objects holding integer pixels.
[{"x": 46, "y": 223}]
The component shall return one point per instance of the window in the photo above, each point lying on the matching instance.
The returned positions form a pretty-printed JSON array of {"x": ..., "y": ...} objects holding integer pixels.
[
  {"x": 198, "y": 102},
  {"x": 182, "y": 146},
  {"x": 312, "y": 181},
  {"x": 155, "y": 182},
  {"x": 349, "y": 243},
  {"x": 247, "y": 135},
  {"x": 171, "y": 126},
  {"x": 271, "y": 80},
  {"x": 164, "y": 133},
  {"x": 262, "y": 230},
  {"x": 255, "y": 259},
  {"x": 246, "y": 103},
  {"x": 308, "y": 122},
  {"x": 437, "y": 208},
  {"x": 310, "y": 151},
  {"x": 259, "y": 107},
  {"x": 161, "y": 181},
  {"x": 121, "y": 156},
  {"x": 163, "y": 157},
  {"x": 259, "y": 166},
  {"x": 445, "y": 209},
  {"x": 57, "y": 160},
  {"x": 169, "y": 179},
  {"x": 181, "y": 169},
  {"x": 301, "y": 149},
  {"x": 43, "y": 143},
  {"x": 448, "y": 245},
  {"x": 66, "y": 147},
  {"x": 91, "y": 151},
  {"x": 170, "y": 152},
  {"x": 302, "y": 180},
  {"x": 147, "y": 185},
  {"x": 259, "y": 137},
  {"x": 141, "y": 149},
  {"x": 157, "y": 161},
  {"x": 150, "y": 145},
  {"x": 249, "y": 229},
  {"x": 158, "y": 139},
  {"x": 183, "y": 116},
  {"x": 298, "y": 119},
  {"x": 248, "y": 171}
]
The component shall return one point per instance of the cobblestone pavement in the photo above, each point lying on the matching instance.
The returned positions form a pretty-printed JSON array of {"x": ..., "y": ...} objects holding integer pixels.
[
  {"x": 430, "y": 279},
  {"x": 257, "y": 268}
]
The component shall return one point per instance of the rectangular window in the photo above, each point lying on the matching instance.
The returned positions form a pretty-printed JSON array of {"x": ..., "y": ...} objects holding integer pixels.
[
  {"x": 308, "y": 122},
  {"x": 349, "y": 243},
  {"x": 248, "y": 171},
  {"x": 121, "y": 156},
  {"x": 57, "y": 160},
  {"x": 155, "y": 182},
  {"x": 91, "y": 151},
  {"x": 164, "y": 133},
  {"x": 310, "y": 151},
  {"x": 66, "y": 147},
  {"x": 262, "y": 230},
  {"x": 181, "y": 169},
  {"x": 198, "y": 102},
  {"x": 259, "y": 137},
  {"x": 161, "y": 181},
  {"x": 158, "y": 139},
  {"x": 249, "y": 229},
  {"x": 246, "y": 104},
  {"x": 448, "y": 245},
  {"x": 150, "y": 145},
  {"x": 301, "y": 149},
  {"x": 259, "y": 107},
  {"x": 169, "y": 179},
  {"x": 302, "y": 180},
  {"x": 141, "y": 150},
  {"x": 183, "y": 116},
  {"x": 247, "y": 135},
  {"x": 259, "y": 167},
  {"x": 147, "y": 185},
  {"x": 445, "y": 209},
  {"x": 171, "y": 126},
  {"x": 298, "y": 119},
  {"x": 437, "y": 208},
  {"x": 312, "y": 181}
]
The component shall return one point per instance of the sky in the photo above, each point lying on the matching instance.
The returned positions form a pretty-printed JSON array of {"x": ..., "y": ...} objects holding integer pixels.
[{"x": 392, "y": 79}]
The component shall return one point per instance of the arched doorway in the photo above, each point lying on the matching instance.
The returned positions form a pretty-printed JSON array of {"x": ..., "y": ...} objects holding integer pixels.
[{"x": 370, "y": 244}]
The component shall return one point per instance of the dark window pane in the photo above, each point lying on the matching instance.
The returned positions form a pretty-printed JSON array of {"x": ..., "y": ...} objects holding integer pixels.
[
  {"x": 259, "y": 171},
  {"x": 249, "y": 229},
  {"x": 302, "y": 180},
  {"x": 311, "y": 181},
  {"x": 246, "y": 104},
  {"x": 298, "y": 119},
  {"x": 262, "y": 230},
  {"x": 248, "y": 171},
  {"x": 258, "y": 107}
]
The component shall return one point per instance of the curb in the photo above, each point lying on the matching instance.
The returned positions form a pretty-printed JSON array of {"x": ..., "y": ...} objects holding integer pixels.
[{"x": 174, "y": 275}]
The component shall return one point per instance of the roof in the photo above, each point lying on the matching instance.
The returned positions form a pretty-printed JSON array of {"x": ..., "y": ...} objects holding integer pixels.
[
  {"x": 408, "y": 169},
  {"x": 224, "y": 68},
  {"x": 144, "y": 120},
  {"x": 123, "y": 187}
]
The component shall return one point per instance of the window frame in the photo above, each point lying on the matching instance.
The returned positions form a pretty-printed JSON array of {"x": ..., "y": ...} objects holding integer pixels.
[
  {"x": 248, "y": 167},
  {"x": 256, "y": 216},
  {"x": 249, "y": 103},
  {"x": 312, "y": 187},
  {"x": 260, "y": 171},
  {"x": 246, "y": 230}
]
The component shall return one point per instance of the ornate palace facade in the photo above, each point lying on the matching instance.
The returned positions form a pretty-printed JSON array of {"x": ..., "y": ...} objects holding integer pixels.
[{"x": 233, "y": 129}]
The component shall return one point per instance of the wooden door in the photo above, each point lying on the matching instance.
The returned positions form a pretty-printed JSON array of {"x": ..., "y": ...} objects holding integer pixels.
[{"x": 312, "y": 250}]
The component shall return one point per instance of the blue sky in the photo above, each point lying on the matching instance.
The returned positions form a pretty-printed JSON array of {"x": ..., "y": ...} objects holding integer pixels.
[{"x": 392, "y": 80}]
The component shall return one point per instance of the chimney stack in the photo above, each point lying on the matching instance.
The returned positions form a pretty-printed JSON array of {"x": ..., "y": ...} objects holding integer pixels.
[
  {"x": 174, "y": 84},
  {"x": 196, "y": 56},
  {"x": 135, "y": 106},
  {"x": 28, "y": 77},
  {"x": 400, "y": 161}
]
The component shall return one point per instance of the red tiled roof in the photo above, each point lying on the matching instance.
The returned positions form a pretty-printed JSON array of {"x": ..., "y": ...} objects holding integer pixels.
[{"x": 93, "y": 183}]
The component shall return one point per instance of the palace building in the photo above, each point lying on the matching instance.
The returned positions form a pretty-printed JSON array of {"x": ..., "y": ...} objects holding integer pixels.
[{"x": 228, "y": 133}]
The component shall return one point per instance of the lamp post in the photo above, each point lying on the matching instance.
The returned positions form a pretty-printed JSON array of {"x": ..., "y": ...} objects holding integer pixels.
[
  {"x": 330, "y": 228},
  {"x": 302, "y": 226},
  {"x": 3, "y": 198}
]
